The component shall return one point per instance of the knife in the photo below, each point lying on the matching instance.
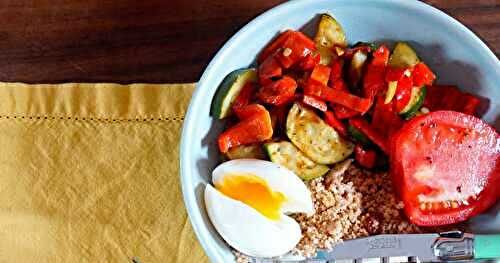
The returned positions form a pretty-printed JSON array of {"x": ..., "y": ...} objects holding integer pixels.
[{"x": 435, "y": 247}]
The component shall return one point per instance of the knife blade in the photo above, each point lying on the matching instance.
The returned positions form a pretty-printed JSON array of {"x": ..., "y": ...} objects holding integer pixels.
[
  {"x": 432, "y": 247},
  {"x": 380, "y": 246}
]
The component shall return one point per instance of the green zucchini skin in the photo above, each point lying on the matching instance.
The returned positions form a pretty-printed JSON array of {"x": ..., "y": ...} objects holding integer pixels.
[
  {"x": 229, "y": 89},
  {"x": 358, "y": 136},
  {"x": 413, "y": 110},
  {"x": 403, "y": 56},
  {"x": 287, "y": 155},
  {"x": 316, "y": 139}
]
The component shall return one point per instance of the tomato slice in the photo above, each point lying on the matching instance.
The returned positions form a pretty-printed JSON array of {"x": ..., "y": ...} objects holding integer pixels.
[{"x": 446, "y": 167}]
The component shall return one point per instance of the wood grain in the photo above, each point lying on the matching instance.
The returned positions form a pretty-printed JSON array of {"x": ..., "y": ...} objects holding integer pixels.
[{"x": 151, "y": 40}]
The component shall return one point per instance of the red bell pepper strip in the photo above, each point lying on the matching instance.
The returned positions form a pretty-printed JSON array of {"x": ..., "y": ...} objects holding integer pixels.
[
  {"x": 396, "y": 74},
  {"x": 363, "y": 126},
  {"x": 380, "y": 56},
  {"x": 353, "y": 102},
  {"x": 470, "y": 104},
  {"x": 434, "y": 96},
  {"x": 403, "y": 93},
  {"x": 247, "y": 111},
  {"x": 335, "y": 123},
  {"x": 320, "y": 74},
  {"x": 441, "y": 97},
  {"x": 340, "y": 85},
  {"x": 278, "y": 92},
  {"x": 255, "y": 126},
  {"x": 365, "y": 158},
  {"x": 384, "y": 119},
  {"x": 244, "y": 97},
  {"x": 295, "y": 48},
  {"x": 422, "y": 75},
  {"x": 336, "y": 72},
  {"x": 270, "y": 68},
  {"x": 274, "y": 46},
  {"x": 314, "y": 102},
  {"x": 310, "y": 61},
  {"x": 374, "y": 79},
  {"x": 342, "y": 112}
]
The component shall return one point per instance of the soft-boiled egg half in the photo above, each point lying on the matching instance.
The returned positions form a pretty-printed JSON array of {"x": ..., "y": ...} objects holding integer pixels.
[{"x": 249, "y": 203}]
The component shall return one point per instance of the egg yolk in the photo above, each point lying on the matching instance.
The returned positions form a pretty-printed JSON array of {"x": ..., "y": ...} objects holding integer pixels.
[{"x": 253, "y": 191}]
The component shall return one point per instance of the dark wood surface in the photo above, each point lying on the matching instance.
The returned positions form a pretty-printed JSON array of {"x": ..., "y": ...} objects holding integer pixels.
[{"x": 149, "y": 40}]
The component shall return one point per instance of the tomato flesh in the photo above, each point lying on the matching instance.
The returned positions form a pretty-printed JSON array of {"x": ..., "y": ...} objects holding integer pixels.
[{"x": 446, "y": 167}]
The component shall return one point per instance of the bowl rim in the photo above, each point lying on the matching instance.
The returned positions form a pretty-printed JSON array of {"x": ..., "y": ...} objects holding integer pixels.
[{"x": 189, "y": 197}]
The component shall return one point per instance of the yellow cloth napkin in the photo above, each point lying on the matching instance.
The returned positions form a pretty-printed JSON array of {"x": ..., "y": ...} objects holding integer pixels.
[{"x": 89, "y": 173}]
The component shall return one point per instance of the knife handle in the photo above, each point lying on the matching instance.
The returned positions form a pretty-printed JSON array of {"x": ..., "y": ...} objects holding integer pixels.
[{"x": 486, "y": 246}]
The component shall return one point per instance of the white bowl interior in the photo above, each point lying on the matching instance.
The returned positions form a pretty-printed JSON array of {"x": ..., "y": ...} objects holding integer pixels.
[{"x": 451, "y": 50}]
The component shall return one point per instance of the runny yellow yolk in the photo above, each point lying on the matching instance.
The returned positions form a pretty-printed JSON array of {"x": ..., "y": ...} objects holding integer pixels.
[{"x": 253, "y": 191}]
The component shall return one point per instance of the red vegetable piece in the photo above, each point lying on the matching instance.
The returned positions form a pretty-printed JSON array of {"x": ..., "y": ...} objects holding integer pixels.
[
  {"x": 274, "y": 46},
  {"x": 255, "y": 126},
  {"x": 363, "y": 126},
  {"x": 335, "y": 123},
  {"x": 314, "y": 102},
  {"x": 374, "y": 81},
  {"x": 270, "y": 68},
  {"x": 380, "y": 56},
  {"x": 244, "y": 97},
  {"x": 365, "y": 158},
  {"x": 384, "y": 119},
  {"x": 441, "y": 97},
  {"x": 403, "y": 93},
  {"x": 470, "y": 104},
  {"x": 340, "y": 85},
  {"x": 278, "y": 92},
  {"x": 422, "y": 75},
  {"x": 353, "y": 102},
  {"x": 342, "y": 112},
  {"x": 295, "y": 48},
  {"x": 320, "y": 74},
  {"x": 249, "y": 110},
  {"x": 336, "y": 71},
  {"x": 309, "y": 62},
  {"x": 395, "y": 74},
  {"x": 446, "y": 167}
]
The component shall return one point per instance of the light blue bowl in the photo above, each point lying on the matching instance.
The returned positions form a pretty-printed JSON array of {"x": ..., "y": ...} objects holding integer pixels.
[{"x": 455, "y": 54}]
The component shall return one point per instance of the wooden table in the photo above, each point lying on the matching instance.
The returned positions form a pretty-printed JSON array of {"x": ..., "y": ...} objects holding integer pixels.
[{"x": 149, "y": 40}]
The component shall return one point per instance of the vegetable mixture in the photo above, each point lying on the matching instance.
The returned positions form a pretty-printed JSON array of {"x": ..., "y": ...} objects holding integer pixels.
[{"x": 313, "y": 102}]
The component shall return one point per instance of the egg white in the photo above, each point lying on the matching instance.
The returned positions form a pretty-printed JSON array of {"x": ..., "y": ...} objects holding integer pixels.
[
  {"x": 247, "y": 230},
  {"x": 279, "y": 179}
]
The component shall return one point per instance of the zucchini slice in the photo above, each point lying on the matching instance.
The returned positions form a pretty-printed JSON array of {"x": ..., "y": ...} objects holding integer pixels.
[
  {"x": 229, "y": 89},
  {"x": 330, "y": 33},
  {"x": 403, "y": 56},
  {"x": 326, "y": 55},
  {"x": 391, "y": 91},
  {"x": 416, "y": 102},
  {"x": 287, "y": 155},
  {"x": 316, "y": 139},
  {"x": 249, "y": 151}
]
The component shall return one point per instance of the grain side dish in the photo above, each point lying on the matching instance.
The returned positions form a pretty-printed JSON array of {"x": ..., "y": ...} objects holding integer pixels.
[{"x": 327, "y": 141}]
